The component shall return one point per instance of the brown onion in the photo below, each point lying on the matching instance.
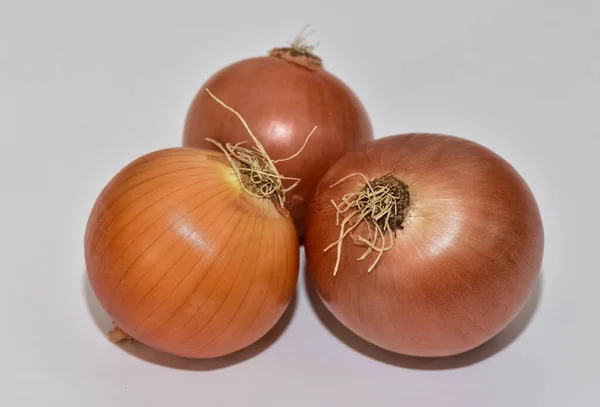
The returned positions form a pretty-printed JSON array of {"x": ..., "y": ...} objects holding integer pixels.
[
  {"x": 283, "y": 96},
  {"x": 459, "y": 260},
  {"x": 184, "y": 259}
]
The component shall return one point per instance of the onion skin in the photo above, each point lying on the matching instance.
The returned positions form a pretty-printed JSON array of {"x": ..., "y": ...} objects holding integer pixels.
[
  {"x": 282, "y": 102},
  {"x": 462, "y": 267},
  {"x": 184, "y": 260}
]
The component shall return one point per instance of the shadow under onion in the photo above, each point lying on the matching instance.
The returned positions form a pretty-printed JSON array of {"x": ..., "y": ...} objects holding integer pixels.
[
  {"x": 493, "y": 346},
  {"x": 104, "y": 324}
]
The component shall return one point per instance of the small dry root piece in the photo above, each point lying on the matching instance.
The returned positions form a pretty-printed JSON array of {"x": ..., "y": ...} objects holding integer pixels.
[
  {"x": 299, "y": 52},
  {"x": 117, "y": 335},
  {"x": 255, "y": 169},
  {"x": 381, "y": 205}
]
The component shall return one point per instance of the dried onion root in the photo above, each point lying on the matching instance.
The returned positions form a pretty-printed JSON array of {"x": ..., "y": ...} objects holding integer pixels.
[
  {"x": 381, "y": 205},
  {"x": 255, "y": 169}
]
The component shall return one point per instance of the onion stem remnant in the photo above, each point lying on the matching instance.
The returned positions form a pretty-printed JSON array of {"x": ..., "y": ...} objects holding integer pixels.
[
  {"x": 381, "y": 204},
  {"x": 299, "y": 52},
  {"x": 117, "y": 335},
  {"x": 255, "y": 169}
]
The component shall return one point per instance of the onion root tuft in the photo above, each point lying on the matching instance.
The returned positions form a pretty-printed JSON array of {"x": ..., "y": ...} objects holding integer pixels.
[
  {"x": 256, "y": 171},
  {"x": 381, "y": 205}
]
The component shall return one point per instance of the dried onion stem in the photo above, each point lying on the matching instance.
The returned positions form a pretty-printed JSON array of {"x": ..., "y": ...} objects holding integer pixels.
[
  {"x": 117, "y": 335},
  {"x": 299, "y": 51}
]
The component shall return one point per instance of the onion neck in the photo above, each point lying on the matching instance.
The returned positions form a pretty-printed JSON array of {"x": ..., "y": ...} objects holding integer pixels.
[
  {"x": 298, "y": 55},
  {"x": 117, "y": 335}
]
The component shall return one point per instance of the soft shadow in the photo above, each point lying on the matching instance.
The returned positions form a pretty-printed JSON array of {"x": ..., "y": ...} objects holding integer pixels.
[
  {"x": 484, "y": 351},
  {"x": 104, "y": 323}
]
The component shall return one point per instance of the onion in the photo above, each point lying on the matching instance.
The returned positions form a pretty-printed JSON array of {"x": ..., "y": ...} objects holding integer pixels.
[
  {"x": 187, "y": 256},
  {"x": 282, "y": 96},
  {"x": 440, "y": 248}
]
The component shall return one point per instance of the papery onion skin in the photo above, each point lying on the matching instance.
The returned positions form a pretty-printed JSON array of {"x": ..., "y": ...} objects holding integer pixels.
[
  {"x": 462, "y": 267},
  {"x": 282, "y": 102},
  {"x": 184, "y": 260}
]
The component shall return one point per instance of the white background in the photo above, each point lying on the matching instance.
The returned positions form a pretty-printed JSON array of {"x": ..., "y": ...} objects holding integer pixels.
[{"x": 88, "y": 86}]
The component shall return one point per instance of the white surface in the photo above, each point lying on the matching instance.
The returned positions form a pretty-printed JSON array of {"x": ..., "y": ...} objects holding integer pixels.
[{"x": 87, "y": 86}]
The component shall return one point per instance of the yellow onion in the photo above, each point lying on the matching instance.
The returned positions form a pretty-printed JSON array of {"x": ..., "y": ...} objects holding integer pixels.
[
  {"x": 184, "y": 259},
  {"x": 424, "y": 244},
  {"x": 283, "y": 95}
]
